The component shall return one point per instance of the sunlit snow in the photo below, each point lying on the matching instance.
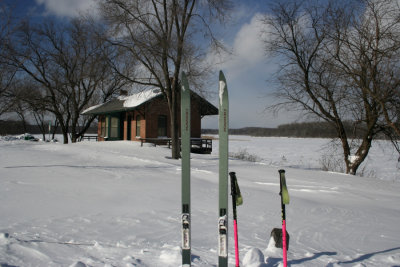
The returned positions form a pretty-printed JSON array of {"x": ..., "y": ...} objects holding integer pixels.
[{"x": 118, "y": 204}]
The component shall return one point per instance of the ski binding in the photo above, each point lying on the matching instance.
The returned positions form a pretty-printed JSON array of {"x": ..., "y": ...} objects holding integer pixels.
[
  {"x": 185, "y": 231},
  {"x": 223, "y": 240}
]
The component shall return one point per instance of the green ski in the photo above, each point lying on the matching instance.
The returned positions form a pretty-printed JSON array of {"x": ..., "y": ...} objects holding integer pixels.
[
  {"x": 223, "y": 172},
  {"x": 185, "y": 150}
]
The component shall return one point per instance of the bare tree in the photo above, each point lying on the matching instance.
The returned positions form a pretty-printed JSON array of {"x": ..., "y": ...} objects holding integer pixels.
[
  {"x": 366, "y": 53},
  {"x": 159, "y": 36},
  {"x": 7, "y": 71},
  {"x": 28, "y": 104},
  {"x": 329, "y": 68},
  {"x": 377, "y": 49},
  {"x": 69, "y": 64}
]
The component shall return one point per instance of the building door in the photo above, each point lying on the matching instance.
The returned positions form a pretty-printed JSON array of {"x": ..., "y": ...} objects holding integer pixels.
[{"x": 162, "y": 126}]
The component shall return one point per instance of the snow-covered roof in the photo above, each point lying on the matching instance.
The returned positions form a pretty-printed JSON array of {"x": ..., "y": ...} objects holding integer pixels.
[
  {"x": 122, "y": 103},
  {"x": 91, "y": 108},
  {"x": 140, "y": 98},
  {"x": 131, "y": 102}
]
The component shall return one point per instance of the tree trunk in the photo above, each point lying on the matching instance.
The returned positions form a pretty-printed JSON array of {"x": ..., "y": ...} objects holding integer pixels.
[
  {"x": 65, "y": 136},
  {"x": 174, "y": 124},
  {"x": 345, "y": 144},
  {"x": 39, "y": 119},
  {"x": 73, "y": 138},
  {"x": 73, "y": 131},
  {"x": 64, "y": 129},
  {"x": 23, "y": 121},
  {"x": 55, "y": 127},
  {"x": 84, "y": 128}
]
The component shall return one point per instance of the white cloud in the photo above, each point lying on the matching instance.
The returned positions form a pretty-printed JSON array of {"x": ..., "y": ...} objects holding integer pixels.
[
  {"x": 248, "y": 46},
  {"x": 68, "y": 8},
  {"x": 247, "y": 49}
]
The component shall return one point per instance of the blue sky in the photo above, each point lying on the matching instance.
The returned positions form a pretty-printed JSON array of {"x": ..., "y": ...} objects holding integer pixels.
[{"x": 247, "y": 70}]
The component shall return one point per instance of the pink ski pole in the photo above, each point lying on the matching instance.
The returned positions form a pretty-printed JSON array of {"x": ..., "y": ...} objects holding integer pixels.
[
  {"x": 284, "y": 243},
  {"x": 235, "y": 231},
  {"x": 284, "y": 200},
  {"x": 236, "y": 242}
]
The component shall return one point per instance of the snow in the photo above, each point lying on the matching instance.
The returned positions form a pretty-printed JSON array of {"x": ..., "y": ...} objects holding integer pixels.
[
  {"x": 140, "y": 98},
  {"x": 222, "y": 88},
  {"x": 118, "y": 204},
  {"x": 91, "y": 108},
  {"x": 353, "y": 158}
]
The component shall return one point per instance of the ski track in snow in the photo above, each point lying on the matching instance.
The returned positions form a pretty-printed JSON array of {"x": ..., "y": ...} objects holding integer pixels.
[{"x": 118, "y": 204}]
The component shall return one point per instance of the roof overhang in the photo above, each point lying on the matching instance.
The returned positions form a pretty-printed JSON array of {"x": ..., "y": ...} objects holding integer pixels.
[{"x": 132, "y": 102}]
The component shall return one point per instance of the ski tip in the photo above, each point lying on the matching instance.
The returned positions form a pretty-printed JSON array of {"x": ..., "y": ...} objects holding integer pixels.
[{"x": 222, "y": 76}]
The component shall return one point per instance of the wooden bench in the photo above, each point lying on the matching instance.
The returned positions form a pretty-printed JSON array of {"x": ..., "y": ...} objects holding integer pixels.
[
  {"x": 201, "y": 145},
  {"x": 88, "y": 137},
  {"x": 156, "y": 141},
  {"x": 197, "y": 145}
]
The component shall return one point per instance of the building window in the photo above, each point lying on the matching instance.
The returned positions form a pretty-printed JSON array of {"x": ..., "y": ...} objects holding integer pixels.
[
  {"x": 114, "y": 127},
  {"x": 138, "y": 122},
  {"x": 104, "y": 127},
  {"x": 162, "y": 126}
]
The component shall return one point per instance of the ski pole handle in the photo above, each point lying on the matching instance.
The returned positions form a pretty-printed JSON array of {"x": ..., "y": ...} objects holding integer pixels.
[
  {"x": 233, "y": 188},
  {"x": 233, "y": 193},
  {"x": 281, "y": 175}
]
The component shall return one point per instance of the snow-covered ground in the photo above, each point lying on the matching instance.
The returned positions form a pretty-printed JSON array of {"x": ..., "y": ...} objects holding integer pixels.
[{"x": 118, "y": 204}]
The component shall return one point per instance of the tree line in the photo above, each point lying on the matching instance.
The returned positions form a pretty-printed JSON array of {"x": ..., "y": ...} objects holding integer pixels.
[
  {"x": 12, "y": 127},
  {"x": 300, "y": 130}
]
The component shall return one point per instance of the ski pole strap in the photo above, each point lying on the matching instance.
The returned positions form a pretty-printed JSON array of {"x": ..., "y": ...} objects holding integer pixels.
[
  {"x": 235, "y": 190},
  {"x": 233, "y": 193},
  {"x": 284, "y": 191}
]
